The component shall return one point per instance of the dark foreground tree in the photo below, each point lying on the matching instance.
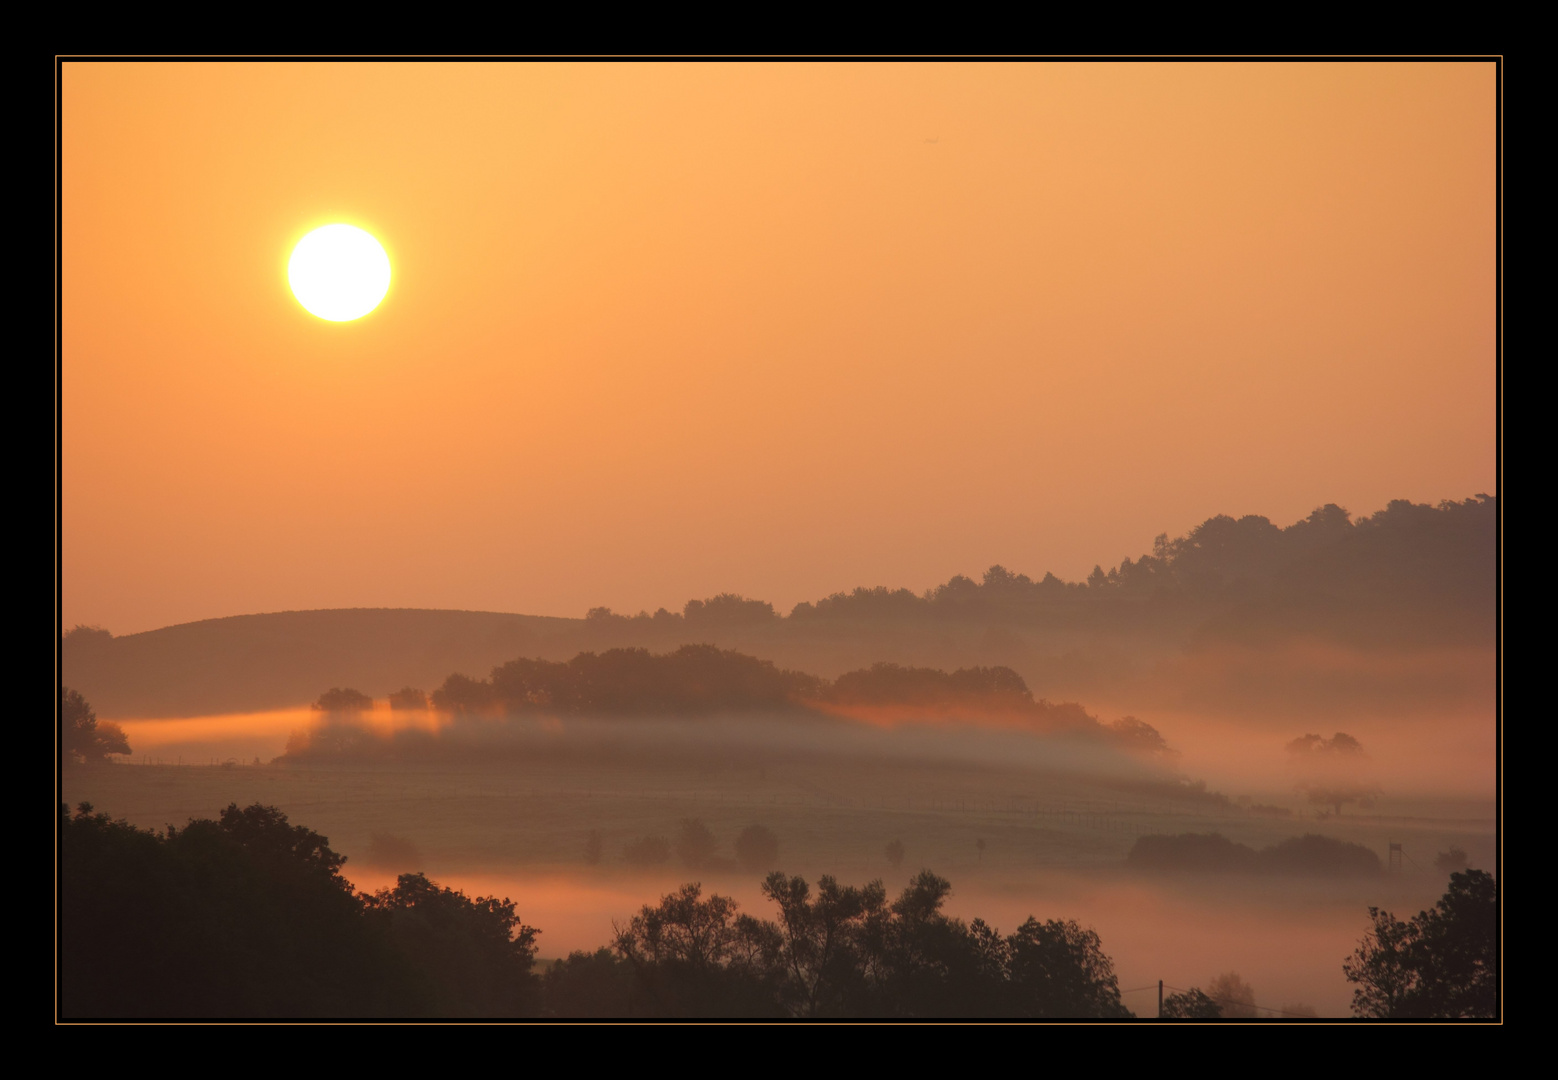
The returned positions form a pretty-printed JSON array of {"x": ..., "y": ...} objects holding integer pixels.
[
  {"x": 693, "y": 957},
  {"x": 839, "y": 951},
  {"x": 474, "y": 956},
  {"x": 593, "y": 985},
  {"x": 1060, "y": 970},
  {"x": 249, "y": 916},
  {"x": 1442, "y": 963}
]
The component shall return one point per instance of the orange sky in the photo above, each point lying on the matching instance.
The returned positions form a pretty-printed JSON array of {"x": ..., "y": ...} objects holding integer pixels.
[{"x": 662, "y": 331}]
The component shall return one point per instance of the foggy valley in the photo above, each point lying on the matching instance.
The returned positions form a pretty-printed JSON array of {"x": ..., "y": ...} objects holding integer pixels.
[
  {"x": 809, "y": 540},
  {"x": 572, "y": 787}
]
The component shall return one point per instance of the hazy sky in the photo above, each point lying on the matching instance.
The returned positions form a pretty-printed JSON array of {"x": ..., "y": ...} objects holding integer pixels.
[{"x": 663, "y": 331}]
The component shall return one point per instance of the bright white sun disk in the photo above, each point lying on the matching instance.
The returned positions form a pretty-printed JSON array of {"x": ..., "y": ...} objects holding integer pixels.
[{"x": 339, "y": 272}]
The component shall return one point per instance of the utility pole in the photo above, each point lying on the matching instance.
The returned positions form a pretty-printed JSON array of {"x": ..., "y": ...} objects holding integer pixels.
[{"x": 1160, "y": 999}]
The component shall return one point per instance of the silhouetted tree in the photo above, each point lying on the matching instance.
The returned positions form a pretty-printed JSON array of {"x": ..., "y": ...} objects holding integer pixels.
[
  {"x": 836, "y": 951},
  {"x": 1191, "y": 1004},
  {"x": 695, "y": 844},
  {"x": 1320, "y": 856},
  {"x": 408, "y": 697},
  {"x": 1140, "y": 736},
  {"x": 249, "y": 916},
  {"x": 1340, "y": 745},
  {"x": 695, "y": 679},
  {"x": 83, "y": 737},
  {"x": 461, "y": 693},
  {"x": 1198, "y": 852},
  {"x": 475, "y": 954},
  {"x": 1058, "y": 969},
  {"x": 696, "y": 957},
  {"x": 1444, "y": 962},
  {"x": 827, "y": 942},
  {"x": 728, "y": 609},
  {"x": 592, "y": 986},
  {"x": 757, "y": 848},
  {"x": 337, "y": 700}
]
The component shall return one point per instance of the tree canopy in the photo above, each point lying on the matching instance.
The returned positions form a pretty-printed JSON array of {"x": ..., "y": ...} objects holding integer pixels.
[
  {"x": 347, "y": 700},
  {"x": 248, "y": 915},
  {"x": 847, "y": 951},
  {"x": 1443, "y": 962}
]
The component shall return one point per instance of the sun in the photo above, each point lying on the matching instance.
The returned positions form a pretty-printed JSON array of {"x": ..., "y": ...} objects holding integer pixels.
[{"x": 339, "y": 272}]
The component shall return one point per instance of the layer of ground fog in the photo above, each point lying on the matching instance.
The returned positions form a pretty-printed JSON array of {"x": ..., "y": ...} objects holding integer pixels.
[{"x": 562, "y": 829}]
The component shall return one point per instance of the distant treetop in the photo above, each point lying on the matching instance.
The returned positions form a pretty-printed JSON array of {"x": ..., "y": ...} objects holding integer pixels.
[
  {"x": 1408, "y": 552},
  {"x": 337, "y": 700}
]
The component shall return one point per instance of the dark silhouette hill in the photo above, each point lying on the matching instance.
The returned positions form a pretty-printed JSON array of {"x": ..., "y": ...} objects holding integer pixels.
[
  {"x": 253, "y": 662},
  {"x": 1395, "y": 612}
]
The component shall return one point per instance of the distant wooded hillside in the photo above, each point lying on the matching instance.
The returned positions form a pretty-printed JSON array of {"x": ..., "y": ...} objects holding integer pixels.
[{"x": 1237, "y": 614}]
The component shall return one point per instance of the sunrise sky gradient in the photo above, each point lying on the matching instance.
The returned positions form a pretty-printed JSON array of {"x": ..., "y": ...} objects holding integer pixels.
[{"x": 659, "y": 331}]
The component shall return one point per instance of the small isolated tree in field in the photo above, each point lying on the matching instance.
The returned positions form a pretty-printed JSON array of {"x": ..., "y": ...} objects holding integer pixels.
[
  {"x": 83, "y": 737},
  {"x": 1442, "y": 963},
  {"x": 895, "y": 853},
  {"x": 1452, "y": 860},
  {"x": 695, "y": 844},
  {"x": 757, "y": 848},
  {"x": 1191, "y": 1004},
  {"x": 1235, "y": 996}
]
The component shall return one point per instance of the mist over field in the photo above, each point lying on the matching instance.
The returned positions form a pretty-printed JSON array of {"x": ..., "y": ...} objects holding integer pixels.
[
  {"x": 930, "y": 540},
  {"x": 1205, "y": 755},
  {"x": 1222, "y": 811}
]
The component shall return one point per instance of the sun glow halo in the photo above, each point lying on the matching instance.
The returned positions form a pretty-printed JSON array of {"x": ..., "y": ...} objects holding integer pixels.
[{"x": 339, "y": 272}]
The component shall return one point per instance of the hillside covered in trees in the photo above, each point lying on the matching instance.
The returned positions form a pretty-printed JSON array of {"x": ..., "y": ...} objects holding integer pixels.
[
  {"x": 699, "y": 681},
  {"x": 1236, "y": 613}
]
